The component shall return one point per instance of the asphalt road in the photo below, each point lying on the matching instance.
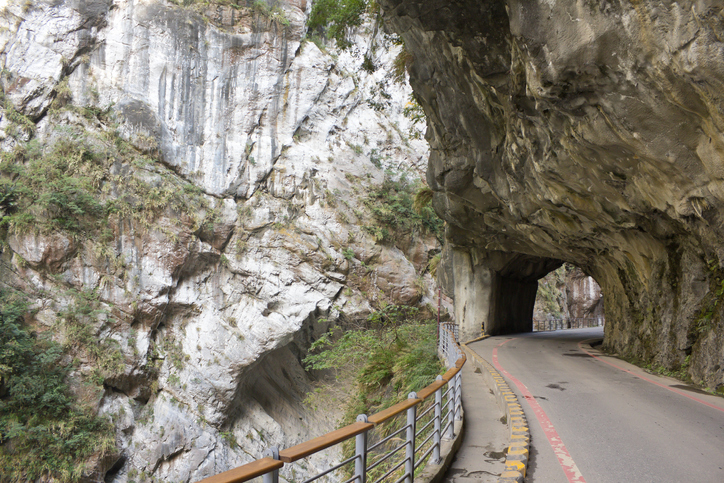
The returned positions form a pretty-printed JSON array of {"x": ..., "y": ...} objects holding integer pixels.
[{"x": 617, "y": 426}]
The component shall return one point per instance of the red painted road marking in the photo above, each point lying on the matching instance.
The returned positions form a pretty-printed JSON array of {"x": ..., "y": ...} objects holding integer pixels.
[
  {"x": 564, "y": 457},
  {"x": 647, "y": 379}
]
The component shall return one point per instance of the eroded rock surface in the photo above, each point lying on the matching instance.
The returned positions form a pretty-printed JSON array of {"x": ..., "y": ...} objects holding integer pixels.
[
  {"x": 212, "y": 299},
  {"x": 569, "y": 294},
  {"x": 587, "y": 132}
]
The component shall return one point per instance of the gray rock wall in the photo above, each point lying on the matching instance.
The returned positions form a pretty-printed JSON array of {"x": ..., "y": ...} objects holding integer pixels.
[
  {"x": 568, "y": 293},
  {"x": 587, "y": 132},
  {"x": 276, "y": 145}
]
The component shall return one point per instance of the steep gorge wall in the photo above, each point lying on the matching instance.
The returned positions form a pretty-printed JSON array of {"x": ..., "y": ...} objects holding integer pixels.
[
  {"x": 238, "y": 158},
  {"x": 582, "y": 131},
  {"x": 568, "y": 293}
]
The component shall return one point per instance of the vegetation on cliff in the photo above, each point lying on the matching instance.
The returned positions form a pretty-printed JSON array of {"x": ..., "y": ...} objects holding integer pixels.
[
  {"x": 259, "y": 7},
  {"x": 82, "y": 183},
  {"x": 44, "y": 430},
  {"x": 332, "y": 18},
  {"x": 399, "y": 207},
  {"x": 393, "y": 354},
  {"x": 550, "y": 299},
  {"x": 69, "y": 184}
]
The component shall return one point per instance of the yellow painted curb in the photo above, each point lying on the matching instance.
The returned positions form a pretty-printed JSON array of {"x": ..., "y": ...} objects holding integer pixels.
[
  {"x": 516, "y": 461},
  {"x": 475, "y": 340},
  {"x": 518, "y": 466}
]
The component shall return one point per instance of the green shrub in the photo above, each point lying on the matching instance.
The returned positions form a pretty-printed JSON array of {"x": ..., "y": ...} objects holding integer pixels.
[
  {"x": 394, "y": 208},
  {"x": 368, "y": 64},
  {"x": 43, "y": 432},
  {"x": 395, "y": 354},
  {"x": 20, "y": 126},
  {"x": 400, "y": 65},
  {"x": 415, "y": 113},
  {"x": 332, "y": 18},
  {"x": 274, "y": 13},
  {"x": 79, "y": 327}
]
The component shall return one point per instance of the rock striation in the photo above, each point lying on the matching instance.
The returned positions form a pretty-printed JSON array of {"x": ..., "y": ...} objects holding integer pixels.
[
  {"x": 586, "y": 132},
  {"x": 568, "y": 293},
  {"x": 259, "y": 150}
]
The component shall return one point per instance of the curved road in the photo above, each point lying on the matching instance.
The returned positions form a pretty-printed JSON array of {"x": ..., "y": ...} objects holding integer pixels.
[{"x": 618, "y": 424}]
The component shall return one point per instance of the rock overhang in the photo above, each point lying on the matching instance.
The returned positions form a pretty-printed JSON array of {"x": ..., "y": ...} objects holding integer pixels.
[{"x": 588, "y": 132}]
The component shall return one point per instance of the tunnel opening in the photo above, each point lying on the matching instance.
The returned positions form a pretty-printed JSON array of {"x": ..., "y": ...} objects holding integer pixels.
[
  {"x": 515, "y": 289},
  {"x": 568, "y": 298},
  {"x": 496, "y": 293}
]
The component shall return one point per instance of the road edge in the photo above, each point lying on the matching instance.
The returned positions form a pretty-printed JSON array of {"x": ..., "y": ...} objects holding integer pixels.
[
  {"x": 434, "y": 473},
  {"x": 516, "y": 461}
]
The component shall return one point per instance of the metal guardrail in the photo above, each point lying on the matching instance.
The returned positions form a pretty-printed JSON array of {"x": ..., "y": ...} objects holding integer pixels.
[
  {"x": 374, "y": 459},
  {"x": 542, "y": 325}
]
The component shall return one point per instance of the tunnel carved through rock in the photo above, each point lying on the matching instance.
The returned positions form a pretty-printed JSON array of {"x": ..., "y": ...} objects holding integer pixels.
[
  {"x": 494, "y": 291},
  {"x": 552, "y": 137}
]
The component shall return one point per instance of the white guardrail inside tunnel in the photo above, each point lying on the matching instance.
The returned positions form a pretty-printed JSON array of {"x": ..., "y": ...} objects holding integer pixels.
[
  {"x": 543, "y": 325},
  {"x": 379, "y": 456}
]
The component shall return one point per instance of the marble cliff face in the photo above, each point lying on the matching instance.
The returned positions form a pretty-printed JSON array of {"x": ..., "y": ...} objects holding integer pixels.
[
  {"x": 587, "y": 132},
  {"x": 582, "y": 131},
  {"x": 275, "y": 145},
  {"x": 570, "y": 295}
]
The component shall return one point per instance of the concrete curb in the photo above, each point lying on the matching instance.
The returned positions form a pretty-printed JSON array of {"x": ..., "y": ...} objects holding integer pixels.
[{"x": 516, "y": 461}]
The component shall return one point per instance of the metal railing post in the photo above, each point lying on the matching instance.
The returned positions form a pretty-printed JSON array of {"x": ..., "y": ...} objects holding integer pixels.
[
  {"x": 437, "y": 426},
  {"x": 272, "y": 476},
  {"x": 439, "y": 301},
  {"x": 360, "y": 463},
  {"x": 458, "y": 397},
  {"x": 410, "y": 448},
  {"x": 446, "y": 345},
  {"x": 451, "y": 410}
]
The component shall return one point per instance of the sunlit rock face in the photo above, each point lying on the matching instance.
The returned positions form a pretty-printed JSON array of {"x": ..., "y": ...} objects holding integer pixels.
[
  {"x": 279, "y": 142},
  {"x": 583, "y": 296},
  {"x": 570, "y": 295},
  {"x": 588, "y": 132}
]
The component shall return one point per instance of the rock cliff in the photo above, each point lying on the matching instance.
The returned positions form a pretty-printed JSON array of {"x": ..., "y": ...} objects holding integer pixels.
[
  {"x": 189, "y": 188},
  {"x": 568, "y": 293},
  {"x": 582, "y": 131}
]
